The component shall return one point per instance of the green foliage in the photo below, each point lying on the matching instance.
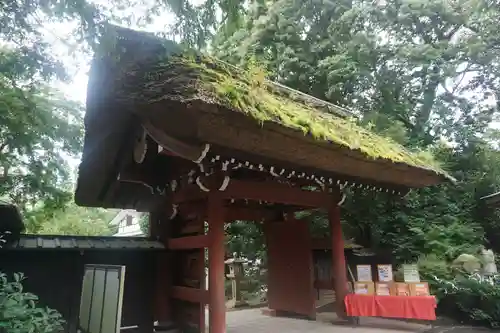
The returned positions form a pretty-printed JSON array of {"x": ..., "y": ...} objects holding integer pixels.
[
  {"x": 19, "y": 311},
  {"x": 144, "y": 223},
  {"x": 246, "y": 239},
  {"x": 431, "y": 266},
  {"x": 72, "y": 220},
  {"x": 419, "y": 72},
  {"x": 447, "y": 220},
  {"x": 471, "y": 300},
  {"x": 39, "y": 130},
  {"x": 254, "y": 285}
]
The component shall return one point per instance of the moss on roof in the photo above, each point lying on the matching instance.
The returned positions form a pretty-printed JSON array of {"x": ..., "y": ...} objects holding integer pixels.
[{"x": 190, "y": 77}]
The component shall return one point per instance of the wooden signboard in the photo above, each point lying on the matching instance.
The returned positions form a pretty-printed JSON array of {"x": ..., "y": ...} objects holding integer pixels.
[
  {"x": 364, "y": 288},
  {"x": 384, "y": 273},
  {"x": 364, "y": 273},
  {"x": 101, "y": 299},
  {"x": 419, "y": 289},
  {"x": 401, "y": 289},
  {"x": 384, "y": 289}
]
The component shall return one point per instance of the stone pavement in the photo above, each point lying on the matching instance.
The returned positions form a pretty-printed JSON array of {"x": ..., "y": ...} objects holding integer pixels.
[
  {"x": 252, "y": 321},
  {"x": 459, "y": 329}
]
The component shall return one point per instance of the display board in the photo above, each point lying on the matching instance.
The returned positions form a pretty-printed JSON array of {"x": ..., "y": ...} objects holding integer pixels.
[
  {"x": 384, "y": 273},
  {"x": 385, "y": 284},
  {"x": 402, "y": 289},
  {"x": 383, "y": 289},
  {"x": 364, "y": 273},
  {"x": 410, "y": 273},
  {"x": 364, "y": 288},
  {"x": 102, "y": 298},
  {"x": 419, "y": 289}
]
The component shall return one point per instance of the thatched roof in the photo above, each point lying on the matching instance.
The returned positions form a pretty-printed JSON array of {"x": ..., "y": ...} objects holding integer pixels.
[{"x": 197, "y": 99}]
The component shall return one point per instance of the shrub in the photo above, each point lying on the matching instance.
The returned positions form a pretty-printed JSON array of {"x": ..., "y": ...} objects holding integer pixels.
[
  {"x": 19, "y": 312},
  {"x": 430, "y": 268},
  {"x": 431, "y": 265},
  {"x": 470, "y": 300}
]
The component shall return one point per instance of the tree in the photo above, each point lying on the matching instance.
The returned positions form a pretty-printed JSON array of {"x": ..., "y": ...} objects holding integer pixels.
[
  {"x": 144, "y": 224},
  {"x": 40, "y": 128},
  {"x": 246, "y": 239},
  {"x": 413, "y": 70},
  {"x": 421, "y": 72},
  {"x": 74, "y": 220}
]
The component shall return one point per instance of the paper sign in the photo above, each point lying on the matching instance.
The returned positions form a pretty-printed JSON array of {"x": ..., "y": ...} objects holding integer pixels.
[
  {"x": 384, "y": 273},
  {"x": 364, "y": 272},
  {"x": 363, "y": 288},
  {"x": 402, "y": 289},
  {"x": 410, "y": 273},
  {"x": 420, "y": 289},
  {"x": 383, "y": 289}
]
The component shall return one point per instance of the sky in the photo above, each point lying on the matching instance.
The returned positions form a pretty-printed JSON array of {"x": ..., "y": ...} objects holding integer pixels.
[{"x": 78, "y": 64}]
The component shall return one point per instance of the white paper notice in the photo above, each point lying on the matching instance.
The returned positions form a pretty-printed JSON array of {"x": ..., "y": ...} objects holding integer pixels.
[
  {"x": 384, "y": 273},
  {"x": 361, "y": 289},
  {"x": 364, "y": 273},
  {"x": 410, "y": 273}
]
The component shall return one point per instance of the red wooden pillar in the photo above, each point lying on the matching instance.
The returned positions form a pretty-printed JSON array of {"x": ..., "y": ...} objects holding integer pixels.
[
  {"x": 216, "y": 253},
  {"x": 339, "y": 272},
  {"x": 158, "y": 231}
]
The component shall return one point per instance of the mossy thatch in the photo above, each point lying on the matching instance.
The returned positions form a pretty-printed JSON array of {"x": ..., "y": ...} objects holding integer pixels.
[{"x": 188, "y": 77}]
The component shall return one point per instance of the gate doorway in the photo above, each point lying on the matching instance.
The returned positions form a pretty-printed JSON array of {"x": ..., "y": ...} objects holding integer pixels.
[{"x": 290, "y": 267}]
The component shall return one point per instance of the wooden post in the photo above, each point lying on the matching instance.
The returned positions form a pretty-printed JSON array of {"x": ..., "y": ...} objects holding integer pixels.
[
  {"x": 216, "y": 252},
  {"x": 162, "y": 304},
  {"x": 339, "y": 273}
]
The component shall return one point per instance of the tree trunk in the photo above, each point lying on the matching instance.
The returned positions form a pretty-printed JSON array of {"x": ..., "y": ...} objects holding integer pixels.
[{"x": 429, "y": 98}]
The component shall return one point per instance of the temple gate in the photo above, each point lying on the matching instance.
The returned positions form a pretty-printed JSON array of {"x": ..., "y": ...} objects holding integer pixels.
[{"x": 200, "y": 143}]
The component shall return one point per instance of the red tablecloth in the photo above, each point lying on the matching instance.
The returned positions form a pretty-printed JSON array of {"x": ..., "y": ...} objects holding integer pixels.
[{"x": 409, "y": 307}]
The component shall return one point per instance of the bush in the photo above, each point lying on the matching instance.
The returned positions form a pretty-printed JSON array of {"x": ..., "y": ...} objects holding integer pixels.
[
  {"x": 470, "y": 300},
  {"x": 19, "y": 312},
  {"x": 432, "y": 266},
  {"x": 253, "y": 285}
]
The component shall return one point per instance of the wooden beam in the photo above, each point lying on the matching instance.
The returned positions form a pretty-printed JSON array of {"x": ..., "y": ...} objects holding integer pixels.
[
  {"x": 174, "y": 145},
  {"x": 193, "y": 295},
  {"x": 234, "y": 213},
  {"x": 249, "y": 214},
  {"x": 276, "y": 193},
  {"x": 189, "y": 193},
  {"x": 192, "y": 227},
  {"x": 189, "y": 242}
]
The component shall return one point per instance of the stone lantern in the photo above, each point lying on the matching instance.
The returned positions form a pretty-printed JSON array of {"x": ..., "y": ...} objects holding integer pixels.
[{"x": 236, "y": 275}]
